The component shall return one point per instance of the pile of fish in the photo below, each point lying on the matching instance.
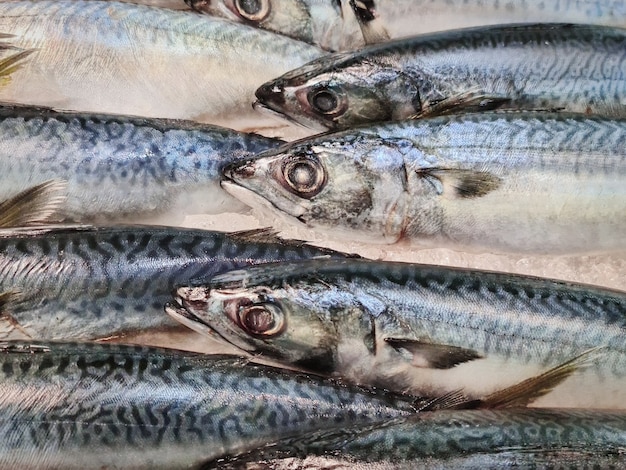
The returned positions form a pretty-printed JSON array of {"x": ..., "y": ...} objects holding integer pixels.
[{"x": 476, "y": 126}]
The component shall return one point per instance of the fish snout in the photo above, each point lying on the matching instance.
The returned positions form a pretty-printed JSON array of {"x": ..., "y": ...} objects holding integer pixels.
[
  {"x": 271, "y": 94},
  {"x": 240, "y": 171},
  {"x": 193, "y": 297}
]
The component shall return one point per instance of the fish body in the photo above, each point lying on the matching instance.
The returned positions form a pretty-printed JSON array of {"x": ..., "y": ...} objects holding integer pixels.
[
  {"x": 118, "y": 167},
  {"x": 503, "y": 182},
  {"x": 422, "y": 329},
  {"x": 93, "y": 283},
  {"x": 577, "y": 68},
  {"x": 520, "y": 438},
  {"x": 87, "y": 406},
  {"x": 401, "y": 18},
  {"x": 121, "y": 58},
  {"x": 328, "y": 24}
]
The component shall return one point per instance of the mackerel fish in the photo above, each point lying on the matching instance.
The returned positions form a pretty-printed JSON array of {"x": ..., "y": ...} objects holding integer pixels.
[
  {"x": 111, "y": 57},
  {"x": 499, "y": 182},
  {"x": 88, "y": 406},
  {"x": 117, "y": 167},
  {"x": 577, "y": 68},
  {"x": 382, "y": 19},
  {"x": 329, "y": 24},
  {"x": 421, "y": 329},
  {"x": 522, "y": 439},
  {"x": 84, "y": 283}
]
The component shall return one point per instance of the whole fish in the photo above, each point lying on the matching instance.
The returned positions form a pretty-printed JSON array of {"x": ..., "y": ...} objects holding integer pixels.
[
  {"x": 85, "y": 283},
  {"x": 87, "y": 406},
  {"x": 112, "y": 57},
  {"x": 503, "y": 182},
  {"x": 329, "y": 24},
  {"x": 142, "y": 168},
  {"x": 423, "y": 329},
  {"x": 577, "y": 68},
  {"x": 400, "y": 18},
  {"x": 521, "y": 438}
]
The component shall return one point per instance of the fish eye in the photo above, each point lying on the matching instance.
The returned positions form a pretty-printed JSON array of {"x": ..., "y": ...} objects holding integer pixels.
[
  {"x": 264, "y": 321},
  {"x": 304, "y": 175},
  {"x": 326, "y": 101},
  {"x": 253, "y": 10}
]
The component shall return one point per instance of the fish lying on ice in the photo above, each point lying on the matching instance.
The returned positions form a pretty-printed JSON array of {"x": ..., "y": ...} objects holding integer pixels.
[
  {"x": 577, "y": 68},
  {"x": 111, "y": 57},
  {"x": 499, "y": 182},
  {"x": 85, "y": 283},
  {"x": 421, "y": 329},
  {"x": 118, "y": 167}
]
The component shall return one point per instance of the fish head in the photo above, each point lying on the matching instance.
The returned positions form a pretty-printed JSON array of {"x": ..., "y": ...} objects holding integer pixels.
[
  {"x": 336, "y": 92},
  {"x": 284, "y": 323},
  {"x": 352, "y": 185},
  {"x": 318, "y": 22}
]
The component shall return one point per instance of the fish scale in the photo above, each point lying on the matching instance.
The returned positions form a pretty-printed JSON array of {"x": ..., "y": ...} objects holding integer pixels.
[
  {"x": 89, "y": 283},
  {"x": 91, "y": 406},
  {"x": 141, "y": 167}
]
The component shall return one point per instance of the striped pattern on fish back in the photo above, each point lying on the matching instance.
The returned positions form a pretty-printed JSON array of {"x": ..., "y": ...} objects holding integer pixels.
[
  {"x": 112, "y": 279},
  {"x": 64, "y": 399}
]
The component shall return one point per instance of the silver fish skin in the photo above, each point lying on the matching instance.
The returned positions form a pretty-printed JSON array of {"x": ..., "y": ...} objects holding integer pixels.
[
  {"x": 496, "y": 182},
  {"x": 143, "y": 169},
  {"x": 520, "y": 438},
  {"x": 88, "y": 406},
  {"x": 329, "y": 24},
  {"x": 577, "y": 68},
  {"x": 85, "y": 283},
  {"x": 421, "y": 329},
  {"x": 171, "y": 4},
  {"x": 111, "y": 57},
  {"x": 401, "y": 18}
]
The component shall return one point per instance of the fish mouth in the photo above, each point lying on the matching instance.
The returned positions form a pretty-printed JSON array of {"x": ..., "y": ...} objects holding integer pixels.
[
  {"x": 178, "y": 312},
  {"x": 255, "y": 201},
  {"x": 266, "y": 108}
]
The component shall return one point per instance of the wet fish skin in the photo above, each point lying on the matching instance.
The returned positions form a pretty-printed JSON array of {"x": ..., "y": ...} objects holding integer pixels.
[
  {"x": 421, "y": 329},
  {"x": 111, "y": 57},
  {"x": 520, "y": 438},
  {"x": 498, "y": 67},
  {"x": 88, "y": 406},
  {"x": 400, "y": 18},
  {"x": 142, "y": 168},
  {"x": 328, "y": 24},
  {"x": 92, "y": 283},
  {"x": 497, "y": 182}
]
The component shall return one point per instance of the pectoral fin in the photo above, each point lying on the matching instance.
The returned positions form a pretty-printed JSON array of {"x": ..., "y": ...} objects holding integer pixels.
[
  {"x": 11, "y": 63},
  {"x": 433, "y": 356},
  {"x": 470, "y": 101},
  {"x": 35, "y": 205},
  {"x": 464, "y": 184},
  {"x": 371, "y": 27},
  {"x": 526, "y": 392}
]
